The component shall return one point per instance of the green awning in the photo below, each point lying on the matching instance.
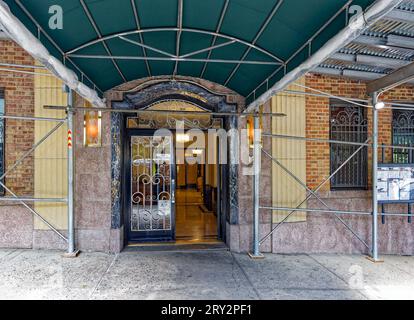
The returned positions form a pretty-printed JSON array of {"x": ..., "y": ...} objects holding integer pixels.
[{"x": 246, "y": 45}]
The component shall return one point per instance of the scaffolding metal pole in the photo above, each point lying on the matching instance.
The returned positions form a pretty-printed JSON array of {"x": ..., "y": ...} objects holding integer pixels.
[
  {"x": 280, "y": 136},
  {"x": 303, "y": 184},
  {"x": 34, "y": 212},
  {"x": 29, "y": 199},
  {"x": 71, "y": 218},
  {"x": 171, "y": 112},
  {"x": 310, "y": 195},
  {"x": 29, "y": 152},
  {"x": 257, "y": 161},
  {"x": 24, "y": 118},
  {"x": 374, "y": 253},
  {"x": 383, "y": 146},
  {"x": 341, "y": 212}
]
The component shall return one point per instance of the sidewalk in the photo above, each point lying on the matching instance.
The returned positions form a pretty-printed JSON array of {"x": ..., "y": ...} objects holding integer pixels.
[{"x": 26, "y": 274}]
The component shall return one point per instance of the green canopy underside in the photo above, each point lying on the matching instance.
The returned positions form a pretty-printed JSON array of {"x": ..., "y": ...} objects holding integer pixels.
[{"x": 275, "y": 30}]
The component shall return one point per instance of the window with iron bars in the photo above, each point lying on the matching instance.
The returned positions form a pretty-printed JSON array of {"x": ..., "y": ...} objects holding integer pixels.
[
  {"x": 2, "y": 165},
  {"x": 403, "y": 135},
  {"x": 348, "y": 123}
]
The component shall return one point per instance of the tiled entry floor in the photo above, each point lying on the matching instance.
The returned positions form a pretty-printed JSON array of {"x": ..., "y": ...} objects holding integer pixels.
[
  {"x": 26, "y": 274},
  {"x": 192, "y": 224}
]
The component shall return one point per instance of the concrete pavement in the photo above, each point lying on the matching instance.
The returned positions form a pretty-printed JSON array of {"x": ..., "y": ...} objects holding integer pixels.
[{"x": 214, "y": 274}]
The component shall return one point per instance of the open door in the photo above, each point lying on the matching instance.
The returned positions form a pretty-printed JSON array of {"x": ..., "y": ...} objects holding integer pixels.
[{"x": 152, "y": 188}]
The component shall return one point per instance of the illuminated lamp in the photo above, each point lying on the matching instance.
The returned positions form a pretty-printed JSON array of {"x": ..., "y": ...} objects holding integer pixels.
[
  {"x": 380, "y": 105},
  {"x": 92, "y": 129}
]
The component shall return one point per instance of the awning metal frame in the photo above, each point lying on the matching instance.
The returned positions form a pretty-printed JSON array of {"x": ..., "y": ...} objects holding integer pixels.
[
  {"x": 138, "y": 24},
  {"x": 124, "y": 34},
  {"x": 42, "y": 31},
  {"x": 379, "y": 9},
  {"x": 256, "y": 38},
  {"x": 95, "y": 27},
  {"x": 307, "y": 44}
]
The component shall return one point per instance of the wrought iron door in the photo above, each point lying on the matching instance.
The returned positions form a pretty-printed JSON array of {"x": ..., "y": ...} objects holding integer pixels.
[{"x": 152, "y": 191}]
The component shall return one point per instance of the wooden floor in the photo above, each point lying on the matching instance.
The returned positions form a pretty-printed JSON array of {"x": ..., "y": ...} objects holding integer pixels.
[
  {"x": 192, "y": 224},
  {"x": 188, "y": 197}
]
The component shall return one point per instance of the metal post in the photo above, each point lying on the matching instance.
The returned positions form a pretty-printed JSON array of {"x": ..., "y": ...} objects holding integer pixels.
[
  {"x": 374, "y": 253},
  {"x": 72, "y": 252},
  {"x": 257, "y": 161}
]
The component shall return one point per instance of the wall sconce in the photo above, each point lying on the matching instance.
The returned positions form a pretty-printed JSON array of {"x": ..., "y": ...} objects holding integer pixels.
[
  {"x": 250, "y": 131},
  {"x": 92, "y": 133}
]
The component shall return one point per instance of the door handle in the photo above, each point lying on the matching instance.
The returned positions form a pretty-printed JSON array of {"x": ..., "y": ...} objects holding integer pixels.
[{"x": 173, "y": 191}]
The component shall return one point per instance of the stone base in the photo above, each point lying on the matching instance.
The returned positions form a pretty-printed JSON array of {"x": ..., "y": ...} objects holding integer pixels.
[
  {"x": 373, "y": 260},
  {"x": 256, "y": 257},
  {"x": 71, "y": 255}
]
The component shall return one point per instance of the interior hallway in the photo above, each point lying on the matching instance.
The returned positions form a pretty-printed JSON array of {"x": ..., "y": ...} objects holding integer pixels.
[{"x": 192, "y": 223}]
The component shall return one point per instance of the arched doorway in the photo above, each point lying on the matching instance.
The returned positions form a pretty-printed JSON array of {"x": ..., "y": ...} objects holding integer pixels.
[{"x": 157, "y": 194}]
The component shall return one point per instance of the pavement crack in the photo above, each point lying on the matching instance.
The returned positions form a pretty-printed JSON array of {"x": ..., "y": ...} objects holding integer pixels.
[
  {"x": 401, "y": 269},
  {"x": 336, "y": 275},
  {"x": 3, "y": 258},
  {"x": 247, "y": 277},
  {"x": 103, "y": 276}
]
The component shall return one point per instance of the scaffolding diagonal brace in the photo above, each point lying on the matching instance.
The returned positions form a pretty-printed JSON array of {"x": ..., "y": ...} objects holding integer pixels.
[
  {"x": 29, "y": 152},
  {"x": 315, "y": 191},
  {"x": 315, "y": 195},
  {"x": 34, "y": 212},
  {"x": 16, "y": 164}
]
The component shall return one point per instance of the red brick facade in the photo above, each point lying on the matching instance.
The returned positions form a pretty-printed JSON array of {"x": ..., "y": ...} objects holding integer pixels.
[
  {"x": 19, "y": 100},
  {"x": 317, "y": 121}
]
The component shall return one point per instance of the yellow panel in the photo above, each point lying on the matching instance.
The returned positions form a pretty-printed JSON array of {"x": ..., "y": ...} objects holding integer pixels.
[
  {"x": 51, "y": 156},
  {"x": 287, "y": 192}
]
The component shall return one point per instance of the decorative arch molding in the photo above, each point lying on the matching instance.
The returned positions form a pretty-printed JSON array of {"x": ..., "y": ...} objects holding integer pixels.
[
  {"x": 149, "y": 95},
  {"x": 175, "y": 90}
]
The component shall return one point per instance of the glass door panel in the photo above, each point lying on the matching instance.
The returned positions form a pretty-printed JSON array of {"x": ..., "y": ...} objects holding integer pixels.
[{"x": 152, "y": 188}]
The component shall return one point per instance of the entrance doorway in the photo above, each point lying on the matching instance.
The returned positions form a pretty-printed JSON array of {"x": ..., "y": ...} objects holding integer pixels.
[
  {"x": 196, "y": 208},
  {"x": 168, "y": 199}
]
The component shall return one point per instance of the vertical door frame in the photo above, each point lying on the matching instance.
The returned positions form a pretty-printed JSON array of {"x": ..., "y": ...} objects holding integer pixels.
[
  {"x": 150, "y": 236},
  {"x": 222, "y": 188}
]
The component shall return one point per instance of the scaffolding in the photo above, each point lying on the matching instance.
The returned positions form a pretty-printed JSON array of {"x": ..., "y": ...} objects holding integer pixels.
[
  {"x": 371, "y": 142},
  {"x": 258, "y": 152},
  {"x": 69, "y": 200},
  {"x": 356, "y": 27}
]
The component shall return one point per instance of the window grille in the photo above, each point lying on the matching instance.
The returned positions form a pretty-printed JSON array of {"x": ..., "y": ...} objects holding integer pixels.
[
  {"x": 403, "y": 135},
  {"x": 348, "y": 123},
  {"x": 2, "y": 165}
]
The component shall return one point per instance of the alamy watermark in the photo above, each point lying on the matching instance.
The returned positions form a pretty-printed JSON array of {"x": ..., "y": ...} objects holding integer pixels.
[
  {"x": 214, "y": 146},
  {"x": 56, "y": 17}
]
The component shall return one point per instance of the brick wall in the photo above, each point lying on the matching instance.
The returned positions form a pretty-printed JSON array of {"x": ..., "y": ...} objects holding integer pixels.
[
  {"x": 19, "y": 100},
  {"x": 317, "y": 120}
]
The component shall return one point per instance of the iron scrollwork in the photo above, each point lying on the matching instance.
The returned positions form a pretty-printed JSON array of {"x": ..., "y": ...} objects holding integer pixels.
[
  {"x": 348, "y": 123},
  {"x": 403, "y": 135},
  {"x": 151, "y": 184}
]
